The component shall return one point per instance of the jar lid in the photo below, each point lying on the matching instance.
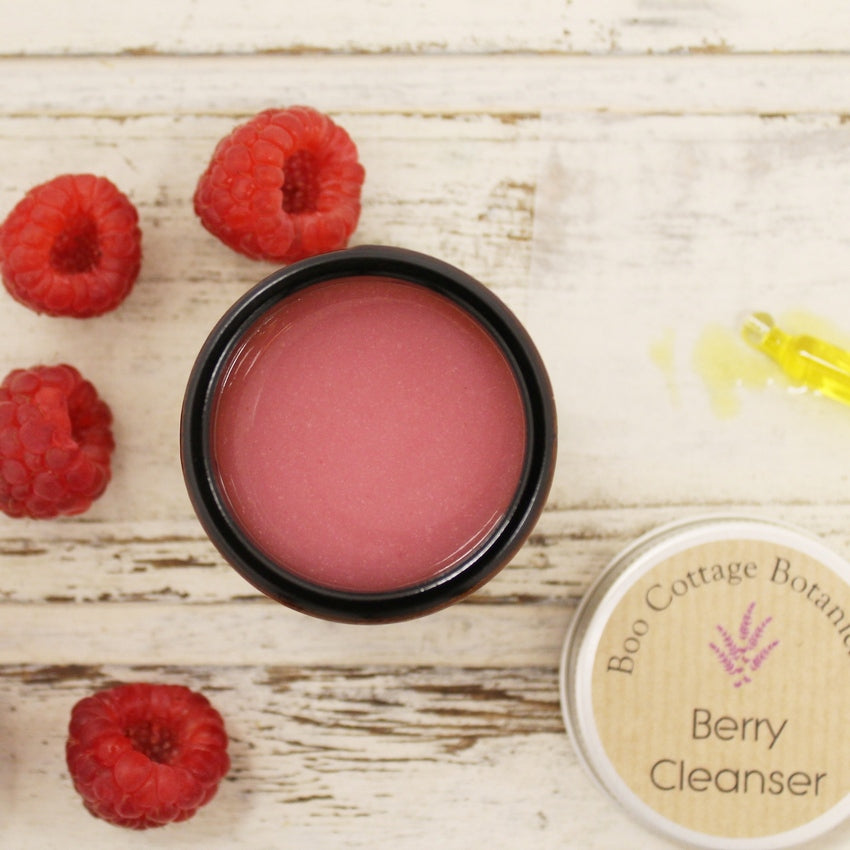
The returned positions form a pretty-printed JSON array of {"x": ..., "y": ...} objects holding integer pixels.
[{"x": 705, "y": 681}]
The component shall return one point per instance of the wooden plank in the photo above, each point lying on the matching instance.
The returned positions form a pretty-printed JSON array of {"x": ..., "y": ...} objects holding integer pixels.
[
  {"x": 266, "y": 633},
  {"x": 376, "y": 26},
  {"x": 125, "y": 88}
]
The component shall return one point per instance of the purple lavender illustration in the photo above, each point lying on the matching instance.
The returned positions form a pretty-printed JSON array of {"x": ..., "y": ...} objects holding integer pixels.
[{"x": 741, "y": 656}]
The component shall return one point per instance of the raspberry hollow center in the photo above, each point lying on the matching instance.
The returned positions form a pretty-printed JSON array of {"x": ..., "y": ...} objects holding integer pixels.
[
  {"x": 76, "y": 248},
  {"x": 300, "y": 183},
  {"x": 152, "y": 739}
]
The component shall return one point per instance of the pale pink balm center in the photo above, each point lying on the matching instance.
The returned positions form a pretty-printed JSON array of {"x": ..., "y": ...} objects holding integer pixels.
[{"x": 368, "y": 434}]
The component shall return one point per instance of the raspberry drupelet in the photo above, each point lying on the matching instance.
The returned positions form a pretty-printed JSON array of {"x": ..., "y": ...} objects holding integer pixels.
[
  {"x": 71, "y": 247},
  {"x": 283, "y": 186},
  {"x": 145, "y": 755},
  {"x": 55, "y": 442}
]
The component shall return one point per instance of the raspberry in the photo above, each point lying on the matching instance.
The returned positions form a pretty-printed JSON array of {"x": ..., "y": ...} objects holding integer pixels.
[
  {"x": 71, "y": 247},
  {"x": 283, "y": 186},
  {"x": 143, "y": 755},
  {"x": 55, "y": 442}
]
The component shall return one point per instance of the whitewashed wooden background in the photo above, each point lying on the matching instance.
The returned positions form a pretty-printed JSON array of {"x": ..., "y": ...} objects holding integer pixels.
[{"x": 625, "y": 173}]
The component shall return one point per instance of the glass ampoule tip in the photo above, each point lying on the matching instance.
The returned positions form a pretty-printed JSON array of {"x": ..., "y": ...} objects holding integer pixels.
[{"x": 755, "y": 327}]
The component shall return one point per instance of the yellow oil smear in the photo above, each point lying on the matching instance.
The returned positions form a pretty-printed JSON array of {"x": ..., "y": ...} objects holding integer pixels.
[
  {"x": 662, "y": 352},
  {"x": 726, "y": 365},
  {"x": 807, "y": 360}
]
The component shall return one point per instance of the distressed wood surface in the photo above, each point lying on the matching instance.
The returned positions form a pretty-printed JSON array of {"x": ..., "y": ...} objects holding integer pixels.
[
  {"x": 415, "y": 26},
  {"x": 623, "y": 174}
]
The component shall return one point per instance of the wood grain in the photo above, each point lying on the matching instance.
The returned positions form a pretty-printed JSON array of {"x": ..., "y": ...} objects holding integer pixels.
[
  {"x": 608, "y": 166},
  {"x": 438, "y": 88},
  {"x": 472, "y": 26}
]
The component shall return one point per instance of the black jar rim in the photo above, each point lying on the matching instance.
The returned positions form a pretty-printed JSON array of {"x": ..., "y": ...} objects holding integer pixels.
[{"x": 484, "y": 561}]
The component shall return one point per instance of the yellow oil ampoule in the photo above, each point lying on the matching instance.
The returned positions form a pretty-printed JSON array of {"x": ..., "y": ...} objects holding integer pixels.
[{"x": 807, "y": 360}]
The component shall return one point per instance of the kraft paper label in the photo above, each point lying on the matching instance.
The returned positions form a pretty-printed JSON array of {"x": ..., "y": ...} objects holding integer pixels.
[{"x": 721, "y": 687}]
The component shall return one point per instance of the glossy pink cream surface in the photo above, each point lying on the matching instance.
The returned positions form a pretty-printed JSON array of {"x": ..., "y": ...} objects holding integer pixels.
[{"x": 368, "y": 434}]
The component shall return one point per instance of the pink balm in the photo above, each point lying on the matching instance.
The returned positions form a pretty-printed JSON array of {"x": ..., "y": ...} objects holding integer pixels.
[{"x": 368, "y": 434}]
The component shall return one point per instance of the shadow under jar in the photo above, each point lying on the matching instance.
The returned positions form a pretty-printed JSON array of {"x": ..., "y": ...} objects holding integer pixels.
[{"x": 368, "y": 435}]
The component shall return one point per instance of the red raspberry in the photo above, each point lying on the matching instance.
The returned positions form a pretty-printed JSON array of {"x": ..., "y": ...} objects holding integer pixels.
[
  {"x": 71, "y": 247},
  {"x": 55, "y": 442},
  {"x": 283, "y": 186},
  {"x": 143, "y": 755}
]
